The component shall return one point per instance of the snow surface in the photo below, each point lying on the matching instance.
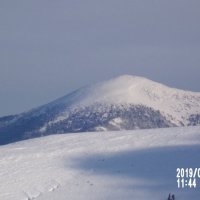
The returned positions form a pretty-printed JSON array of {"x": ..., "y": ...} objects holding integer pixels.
[
  {"x": 126, "y": 165},
  {"x": 176, "y": 105}
]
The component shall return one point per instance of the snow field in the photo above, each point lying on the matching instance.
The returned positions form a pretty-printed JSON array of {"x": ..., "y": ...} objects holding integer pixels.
[{"x": 102, "y": 165}]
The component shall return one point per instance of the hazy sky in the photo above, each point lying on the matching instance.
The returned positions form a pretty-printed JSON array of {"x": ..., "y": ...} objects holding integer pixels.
[{"x": 49, "y": 48}]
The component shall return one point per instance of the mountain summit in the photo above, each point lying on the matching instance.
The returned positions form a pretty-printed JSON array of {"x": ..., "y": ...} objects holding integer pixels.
[{"x": 123, "y": 103}]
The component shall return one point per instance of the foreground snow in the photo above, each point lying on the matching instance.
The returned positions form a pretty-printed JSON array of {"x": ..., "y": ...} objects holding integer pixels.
[{"x": 98, "y": 166}]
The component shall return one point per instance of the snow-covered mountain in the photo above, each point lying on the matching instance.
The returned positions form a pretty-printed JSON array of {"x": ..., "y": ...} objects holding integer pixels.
[{"x": 123, "y": 103}]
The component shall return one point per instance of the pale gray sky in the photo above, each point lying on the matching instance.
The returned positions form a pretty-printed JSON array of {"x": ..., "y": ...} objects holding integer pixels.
[{"x": 49, "y": 48}]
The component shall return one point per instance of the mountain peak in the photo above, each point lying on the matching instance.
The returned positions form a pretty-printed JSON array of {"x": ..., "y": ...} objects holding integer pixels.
[
  {"x": 126, "y": 80},
  {"x": 127, "y": 77},
  {"x": 122, "y": 89},
  {"x": 125, "y": 102},
  {"x": 134, "y": 90}
]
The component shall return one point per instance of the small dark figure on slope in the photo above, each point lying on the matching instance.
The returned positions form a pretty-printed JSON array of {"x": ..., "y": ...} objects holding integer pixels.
[{"x": 171, "y": 197}]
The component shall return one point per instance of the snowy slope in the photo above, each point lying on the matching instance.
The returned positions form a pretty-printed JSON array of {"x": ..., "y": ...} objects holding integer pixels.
[
  {"x": 137, "y": 90},
  {"x": 116, "y": 165},
  {"x": 123, "y": 103},
  {"x": 126, "y": 90}
]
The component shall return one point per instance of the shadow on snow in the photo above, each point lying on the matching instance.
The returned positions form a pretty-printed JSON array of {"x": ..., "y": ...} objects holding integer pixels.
[{"x": 153, "y": 164}]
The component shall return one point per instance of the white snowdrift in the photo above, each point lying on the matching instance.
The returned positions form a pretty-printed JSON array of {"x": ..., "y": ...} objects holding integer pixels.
[{"x": 98, "y": 166}]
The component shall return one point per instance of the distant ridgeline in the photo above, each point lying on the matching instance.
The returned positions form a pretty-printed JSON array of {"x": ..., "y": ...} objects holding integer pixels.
[{"x": 123, "y": 103}]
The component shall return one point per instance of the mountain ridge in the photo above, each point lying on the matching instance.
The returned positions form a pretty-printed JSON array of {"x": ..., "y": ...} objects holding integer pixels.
[{"x": 123, "y": 103}]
